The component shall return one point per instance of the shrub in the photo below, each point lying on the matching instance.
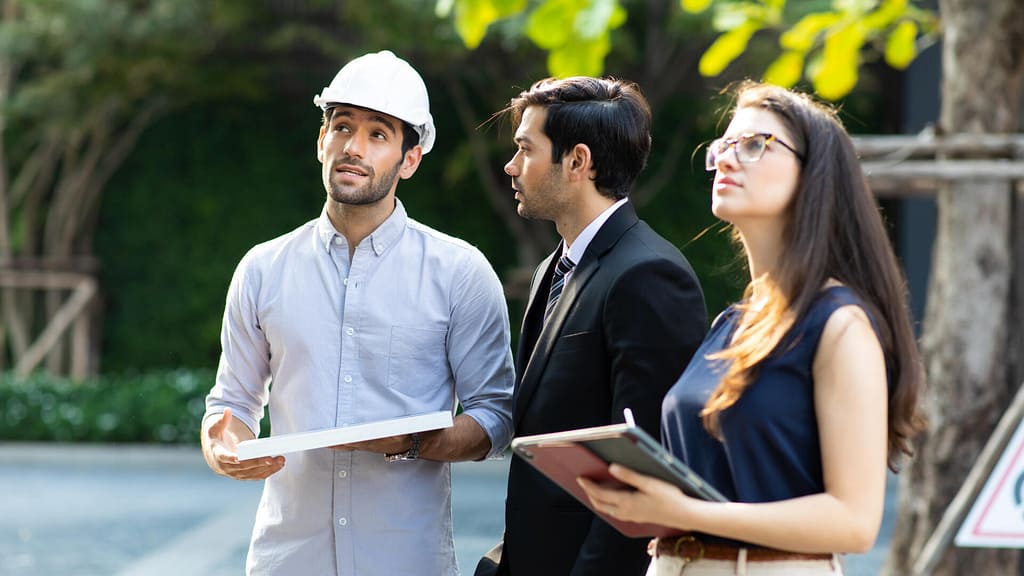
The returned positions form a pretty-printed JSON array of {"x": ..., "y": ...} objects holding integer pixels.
[{"x": 160, "y": 407}]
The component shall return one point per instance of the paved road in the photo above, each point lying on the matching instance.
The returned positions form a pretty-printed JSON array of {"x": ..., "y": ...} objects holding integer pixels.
[{"x": 87, "y": 510}]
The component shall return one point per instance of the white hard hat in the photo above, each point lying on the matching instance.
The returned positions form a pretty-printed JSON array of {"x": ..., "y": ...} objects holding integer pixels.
[{"x": 383, "y": 82}]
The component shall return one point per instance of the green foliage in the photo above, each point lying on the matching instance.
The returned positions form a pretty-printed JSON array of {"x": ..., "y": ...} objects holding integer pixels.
[
  {"x": 203, "y": 187},
  {"x": 164, "y": 407},
  {"x": 80, "y": 61},
  {"x": 472, "y": 17},
  {"x": 827, "y": 45},
  {"x": 822, "y": 41},
  {"x": 576, "y": 34}
]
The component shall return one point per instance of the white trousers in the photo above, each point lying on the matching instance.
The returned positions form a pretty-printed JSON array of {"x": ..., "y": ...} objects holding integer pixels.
[{"x": 665, "y": 565}]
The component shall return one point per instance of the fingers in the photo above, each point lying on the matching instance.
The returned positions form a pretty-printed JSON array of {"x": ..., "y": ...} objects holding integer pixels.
[
  {"x": 221, "y": 425},
  {"x": 602, "y": 499},
  {"x": 626, "y": 475},
  {"x": 253, "y": 469}
]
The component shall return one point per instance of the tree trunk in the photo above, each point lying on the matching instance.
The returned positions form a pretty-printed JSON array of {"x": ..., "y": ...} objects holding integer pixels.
[{"x": 968, "y": 322}]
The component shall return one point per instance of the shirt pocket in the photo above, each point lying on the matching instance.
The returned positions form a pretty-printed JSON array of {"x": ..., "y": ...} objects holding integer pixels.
[{"x": 417, "y": 360}]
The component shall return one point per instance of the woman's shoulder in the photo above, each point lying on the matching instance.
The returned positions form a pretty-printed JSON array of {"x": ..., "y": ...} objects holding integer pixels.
[{"x": 837, "y": 308}]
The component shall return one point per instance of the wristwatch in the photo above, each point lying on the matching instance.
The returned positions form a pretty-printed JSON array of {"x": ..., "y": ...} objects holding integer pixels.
[{"x": 411, "y": 454}]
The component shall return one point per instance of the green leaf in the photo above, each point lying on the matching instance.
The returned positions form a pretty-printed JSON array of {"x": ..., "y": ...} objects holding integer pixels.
[
  {"x": 900, "y": 49},
  {"x": 804, "y": 33},
  {"x": 887, "y": 13},
  {"x": 837, "y": 74},
  {"x": 785, "y": 71},
  {"x": 580, "y": 57},
  {"x": 472, "y": 17},
  {"x": 618, "y": 17},
  {"x": 551, "y": 25},
  {"x": 694, "y": 6},
  {"x": 726, "y": 48}
]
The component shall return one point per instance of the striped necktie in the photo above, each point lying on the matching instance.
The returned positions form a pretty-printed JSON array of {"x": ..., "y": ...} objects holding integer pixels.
[{"x": 557, "y": 283}]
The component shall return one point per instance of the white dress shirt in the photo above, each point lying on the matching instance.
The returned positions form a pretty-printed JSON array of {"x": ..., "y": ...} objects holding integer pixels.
[{"x": 416, "y": 322}]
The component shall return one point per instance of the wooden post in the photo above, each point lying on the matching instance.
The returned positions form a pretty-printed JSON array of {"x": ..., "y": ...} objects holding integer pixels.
[{"x": 85, "y": 289}]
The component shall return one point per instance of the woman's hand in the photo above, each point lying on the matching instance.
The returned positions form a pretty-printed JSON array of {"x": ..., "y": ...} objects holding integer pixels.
[{"x": 652, "y": 501}]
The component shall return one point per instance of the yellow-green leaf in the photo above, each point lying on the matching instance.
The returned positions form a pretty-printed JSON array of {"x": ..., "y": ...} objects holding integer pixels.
[
  {"x": 786, "y": 70},
  {"x": 694, "y": 6},
  {"x": 550, "y": 25},
  {"x": 726, "y": 48},
  {"x": 837, "y": 74},
  {"x": 804, "y": 33},
  {"x": 618, "y": 17},
  {"x": 834, "y": 82},
  {"x": 472, "y": 17},
  {"x": 579, "y": 57},
  {"x": 900, "y": 49}
]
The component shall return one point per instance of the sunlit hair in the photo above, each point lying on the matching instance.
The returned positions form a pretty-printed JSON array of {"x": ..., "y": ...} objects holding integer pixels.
[
  {"x": 610, "y": 116},
  {"x": 833, "y": 229}
]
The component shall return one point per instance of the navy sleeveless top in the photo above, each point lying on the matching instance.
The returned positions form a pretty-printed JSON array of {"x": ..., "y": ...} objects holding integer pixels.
[{"x": 770, "y": 448}]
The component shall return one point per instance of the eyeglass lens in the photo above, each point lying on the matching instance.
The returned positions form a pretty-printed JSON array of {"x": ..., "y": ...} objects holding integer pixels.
[{"x": 749, "y": 148}]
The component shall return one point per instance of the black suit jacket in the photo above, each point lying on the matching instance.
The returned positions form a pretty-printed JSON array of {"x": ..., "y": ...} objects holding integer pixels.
[{"x": 629, "y": 318}]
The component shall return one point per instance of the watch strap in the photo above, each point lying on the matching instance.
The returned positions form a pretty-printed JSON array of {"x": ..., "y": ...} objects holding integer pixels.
[{"x": 412, "y": 453}]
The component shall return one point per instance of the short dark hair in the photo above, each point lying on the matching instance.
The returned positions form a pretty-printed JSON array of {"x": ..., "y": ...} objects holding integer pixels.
[
  {"x": 610, "y": 116},
  {"x": 410, "y": 137}
]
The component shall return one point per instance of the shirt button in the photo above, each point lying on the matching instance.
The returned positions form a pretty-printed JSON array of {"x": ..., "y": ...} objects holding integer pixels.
[
  {"x": 342, "y": 521},
  {"x": 348, "y": 378},
  {"x": 342, "y": 474},
  {"x": 337, "y": 241},
  {"x": 350, "y": 331},
  {"x": 345, "y": 281}
]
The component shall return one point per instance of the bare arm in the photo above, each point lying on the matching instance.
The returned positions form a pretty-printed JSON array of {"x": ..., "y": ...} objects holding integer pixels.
[
  {"x": 851, "y": 405},
  {"x": 220, "y": 437}
]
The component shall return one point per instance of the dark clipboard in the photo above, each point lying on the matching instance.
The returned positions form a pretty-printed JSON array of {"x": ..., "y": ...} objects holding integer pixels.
[{"x": 564, "y": 456}]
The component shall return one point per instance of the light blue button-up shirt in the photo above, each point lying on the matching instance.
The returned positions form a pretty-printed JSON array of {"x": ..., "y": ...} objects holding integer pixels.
[{"x": 415, "y": 323}]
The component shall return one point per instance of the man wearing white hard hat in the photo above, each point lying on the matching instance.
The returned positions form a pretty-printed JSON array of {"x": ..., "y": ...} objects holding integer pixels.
[{"x": 358, "y": 316}]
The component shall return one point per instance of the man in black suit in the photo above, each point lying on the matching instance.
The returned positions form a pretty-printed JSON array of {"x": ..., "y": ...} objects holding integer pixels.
[{"x": 614, "y": 315}]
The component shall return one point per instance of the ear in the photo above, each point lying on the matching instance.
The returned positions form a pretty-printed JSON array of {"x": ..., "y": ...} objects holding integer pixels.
[
  {"x": 578, "y": 163},
  {"x": 320, "y": 145},
  {"x": 411, "y": 162}
]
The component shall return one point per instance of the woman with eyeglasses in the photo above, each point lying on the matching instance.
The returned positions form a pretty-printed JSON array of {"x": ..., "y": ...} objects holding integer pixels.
[{"x": 805, "y": 390}]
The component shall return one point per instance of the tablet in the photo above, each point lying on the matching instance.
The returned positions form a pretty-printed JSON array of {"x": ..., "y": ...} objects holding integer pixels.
[
  {"x": 295, "y": 442},
  {"x": 564, "y": 456}
]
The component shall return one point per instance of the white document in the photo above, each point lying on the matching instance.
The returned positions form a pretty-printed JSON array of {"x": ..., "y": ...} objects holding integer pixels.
[{"x": 285, "y": 443}]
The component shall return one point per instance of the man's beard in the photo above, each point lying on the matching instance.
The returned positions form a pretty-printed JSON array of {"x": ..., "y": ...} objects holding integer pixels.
[
  {"x": 541, "y": 202},
  {"x": 370, "y": 193}
]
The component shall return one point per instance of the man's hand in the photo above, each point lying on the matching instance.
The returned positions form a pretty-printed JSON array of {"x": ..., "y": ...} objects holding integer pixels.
[{"x": 220, "y": 441}]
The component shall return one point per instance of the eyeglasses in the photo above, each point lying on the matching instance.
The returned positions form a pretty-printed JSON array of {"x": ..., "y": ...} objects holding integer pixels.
[{"x": 749, "y": 148}]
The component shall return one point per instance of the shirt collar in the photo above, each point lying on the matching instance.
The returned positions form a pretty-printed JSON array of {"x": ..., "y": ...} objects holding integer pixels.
[
  {"x": 380, "y": 239},
  {"x": 579, "y": 247}
]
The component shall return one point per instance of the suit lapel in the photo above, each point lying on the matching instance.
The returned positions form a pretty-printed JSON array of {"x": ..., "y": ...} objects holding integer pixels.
[
  {"x": 539, "y": 353},
  {"x": 533, "y": 319}
]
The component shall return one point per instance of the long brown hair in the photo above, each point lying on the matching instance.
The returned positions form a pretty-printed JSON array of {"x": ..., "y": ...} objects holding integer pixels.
[{"x": 833, "y": 230}]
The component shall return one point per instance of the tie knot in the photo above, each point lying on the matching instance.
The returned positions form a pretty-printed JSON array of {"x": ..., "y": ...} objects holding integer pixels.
[{"x": 564, "y": 266}]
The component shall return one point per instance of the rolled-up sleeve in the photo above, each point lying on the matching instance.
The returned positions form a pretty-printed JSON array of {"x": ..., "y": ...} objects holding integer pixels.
[
  {"x": 480, "y": 352},
  {"x": 243, "y": 374}
]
